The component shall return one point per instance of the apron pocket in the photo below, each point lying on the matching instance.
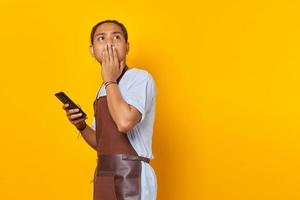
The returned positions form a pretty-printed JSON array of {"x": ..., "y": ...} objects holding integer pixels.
[{"x": 104, "y": 187}]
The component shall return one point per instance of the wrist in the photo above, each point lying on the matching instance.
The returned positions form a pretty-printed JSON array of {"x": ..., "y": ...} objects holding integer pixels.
[
  {"x": 82, "y": 126},
  {"x": 106, "y": 83},
  {"x": 109, "y": 79}
]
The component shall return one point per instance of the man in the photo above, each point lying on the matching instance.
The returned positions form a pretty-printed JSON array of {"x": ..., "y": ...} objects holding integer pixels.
[{"x": 122, "y": 127}]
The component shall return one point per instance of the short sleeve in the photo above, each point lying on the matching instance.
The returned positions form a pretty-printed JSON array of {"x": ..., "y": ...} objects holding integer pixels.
[
  {"x": 93, "y": 125},
  {"x": 140, "y": 93}
]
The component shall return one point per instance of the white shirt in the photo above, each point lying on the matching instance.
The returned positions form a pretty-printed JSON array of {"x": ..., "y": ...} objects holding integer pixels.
[{"x": 138, "y": 89}]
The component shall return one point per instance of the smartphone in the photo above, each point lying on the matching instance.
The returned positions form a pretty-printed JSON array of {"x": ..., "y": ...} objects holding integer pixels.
[{"x": 66, "y": 100}]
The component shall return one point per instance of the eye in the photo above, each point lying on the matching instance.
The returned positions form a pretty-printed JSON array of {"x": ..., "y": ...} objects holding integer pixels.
[
  {"x": 117, "y": 37},
  {"x": 101, "y": 38}
]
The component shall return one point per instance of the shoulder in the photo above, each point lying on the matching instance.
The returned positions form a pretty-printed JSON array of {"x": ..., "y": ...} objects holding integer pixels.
[
  {"x": 136, "y": 73},
  {"x": 138, "y": 76}
]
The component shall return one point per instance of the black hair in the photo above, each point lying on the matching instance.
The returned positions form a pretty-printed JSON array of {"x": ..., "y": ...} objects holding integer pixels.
[{"x": 124, "y": 30}]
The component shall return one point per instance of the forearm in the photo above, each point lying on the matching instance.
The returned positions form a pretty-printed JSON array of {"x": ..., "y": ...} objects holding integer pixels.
[
  {"x": 89, "y": 135},
  {"x": 118, "y": 107}
]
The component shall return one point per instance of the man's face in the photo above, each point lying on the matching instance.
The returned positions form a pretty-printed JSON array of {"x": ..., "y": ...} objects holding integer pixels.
[{"x": 109, "y": 33}]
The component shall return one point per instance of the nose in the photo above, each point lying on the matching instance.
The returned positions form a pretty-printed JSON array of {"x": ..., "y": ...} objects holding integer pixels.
[
  {"x": 109, "y": 44},
  {"x": 109, "y": 41}
]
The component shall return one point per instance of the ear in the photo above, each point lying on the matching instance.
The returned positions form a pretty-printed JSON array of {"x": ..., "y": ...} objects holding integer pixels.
[
  {"x": 127, "y": 48},
  {"x": 92, "y": 50}
]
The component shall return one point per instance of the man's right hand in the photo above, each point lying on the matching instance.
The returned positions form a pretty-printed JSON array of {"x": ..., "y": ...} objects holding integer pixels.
[{"x": 74, "y": 116}]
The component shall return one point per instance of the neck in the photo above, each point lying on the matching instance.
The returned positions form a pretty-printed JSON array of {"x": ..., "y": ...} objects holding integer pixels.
[{"x": 124, "y": 70}]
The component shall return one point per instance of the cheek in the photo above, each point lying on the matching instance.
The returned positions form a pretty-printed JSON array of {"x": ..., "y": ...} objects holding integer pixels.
[{"x": 98, "y": 51}]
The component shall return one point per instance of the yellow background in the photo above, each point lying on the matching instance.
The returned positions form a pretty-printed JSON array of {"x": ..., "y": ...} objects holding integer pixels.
[{"x": 227, "y": 74}]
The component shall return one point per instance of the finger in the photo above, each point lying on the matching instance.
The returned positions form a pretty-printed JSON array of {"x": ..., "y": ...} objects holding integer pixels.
[
  {"x": 103, "y": 58},
  {"x": 65, "y": 106},
  {"x": 110, "y": 53},
  {"x": 106, "y": 54},
  {"x": 115, "y": 55},
  {"x": 75, "y": 116},
  {"x": 76, "y": 121},
  {"x": 72, "y": 111}
]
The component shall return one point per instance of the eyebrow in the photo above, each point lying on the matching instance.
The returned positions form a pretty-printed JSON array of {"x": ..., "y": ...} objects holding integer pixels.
[{"x": 116, "y": 32}]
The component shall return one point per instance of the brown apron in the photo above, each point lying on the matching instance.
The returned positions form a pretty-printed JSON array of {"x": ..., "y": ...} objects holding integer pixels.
[{"x": 118, "y": 172}]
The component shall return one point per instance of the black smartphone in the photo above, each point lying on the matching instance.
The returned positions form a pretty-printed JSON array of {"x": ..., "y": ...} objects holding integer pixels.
[{"x": 66, "y": 100}]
